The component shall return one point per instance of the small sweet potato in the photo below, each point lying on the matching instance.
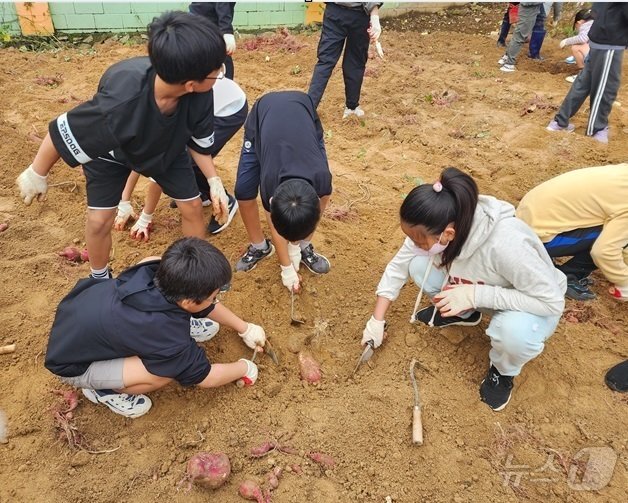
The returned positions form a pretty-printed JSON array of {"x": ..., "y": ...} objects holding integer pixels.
[
  {"x": 250, "y": 490},
  {"x": 324, "y": 460},
  {"x": 309, "y": 367},
  {"x": 71, "y": 254}
]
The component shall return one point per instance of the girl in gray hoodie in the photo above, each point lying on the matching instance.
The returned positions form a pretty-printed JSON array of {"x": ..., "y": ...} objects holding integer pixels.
[{"x": 471, "y": 255}]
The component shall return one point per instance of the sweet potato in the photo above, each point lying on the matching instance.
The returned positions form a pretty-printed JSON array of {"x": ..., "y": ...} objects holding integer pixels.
[
  {"x": 209, "y": 469},
  {"x": 84, "y": 255},
  {"x": 324, "y": 460},
  {"x": 250, "y": 490},
  {"x": 4, "y": 226},
  {"x": 70, "y": 253},
  {"x": 309, "y": 367}
]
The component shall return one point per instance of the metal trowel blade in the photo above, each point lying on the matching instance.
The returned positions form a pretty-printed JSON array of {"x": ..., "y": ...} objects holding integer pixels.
[{"x": 365, "y": 356}]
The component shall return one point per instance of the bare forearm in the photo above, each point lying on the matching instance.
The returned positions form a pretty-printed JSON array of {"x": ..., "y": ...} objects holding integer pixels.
[
  {"x": 281, "y": 244},
  {"x": 205, "y": 163},
  {"x": 46, "y": 156},
  {"x": 381, "y": 307},
  {"x": 224, "y": 373},
  {"x": 226, "y": 317}
]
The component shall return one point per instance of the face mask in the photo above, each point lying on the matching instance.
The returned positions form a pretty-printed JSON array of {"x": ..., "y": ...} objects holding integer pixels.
[{"x": 435, "y": 249}]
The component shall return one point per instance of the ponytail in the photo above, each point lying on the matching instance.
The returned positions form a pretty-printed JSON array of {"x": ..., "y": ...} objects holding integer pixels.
[{"x": 452, "y": 199}]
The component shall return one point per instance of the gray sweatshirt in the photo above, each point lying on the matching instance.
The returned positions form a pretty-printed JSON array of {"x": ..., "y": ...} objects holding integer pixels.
[{"x": 503, "y": 257}]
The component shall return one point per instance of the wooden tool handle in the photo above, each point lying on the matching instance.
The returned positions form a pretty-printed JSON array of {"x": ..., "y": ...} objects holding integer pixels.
[
  {"x": 417, "y": 426},
  {"x": 9, "y": 348}
]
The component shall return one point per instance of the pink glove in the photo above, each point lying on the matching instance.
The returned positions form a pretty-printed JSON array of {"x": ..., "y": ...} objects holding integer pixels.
[{"x": 455, "y": 299}]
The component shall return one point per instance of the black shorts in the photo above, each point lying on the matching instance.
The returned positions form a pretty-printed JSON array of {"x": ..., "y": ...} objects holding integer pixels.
[
  {"x": 107, "y": 177},
  {"x": 248, "y": 176},
  {"x": 224, "y": 129}
]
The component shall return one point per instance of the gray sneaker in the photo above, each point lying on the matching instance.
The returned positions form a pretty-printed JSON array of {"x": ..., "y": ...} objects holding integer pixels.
[
  {"x": 315, "y": 262},
  {"x": 252, "y": 256}
]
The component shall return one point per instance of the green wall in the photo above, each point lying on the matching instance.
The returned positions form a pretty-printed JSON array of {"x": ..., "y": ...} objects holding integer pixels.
[
  {"x": 134, "y": 16},
  {"x": 8, "y": 19}
]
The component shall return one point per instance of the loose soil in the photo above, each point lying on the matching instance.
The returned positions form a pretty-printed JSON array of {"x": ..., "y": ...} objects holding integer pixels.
[{"x": 438, "y": 99}]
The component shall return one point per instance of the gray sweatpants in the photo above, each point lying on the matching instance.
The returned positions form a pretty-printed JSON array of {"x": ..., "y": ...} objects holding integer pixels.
[
  {"x": 599, "y": 79},
  {"x": 527, "y": 18}
]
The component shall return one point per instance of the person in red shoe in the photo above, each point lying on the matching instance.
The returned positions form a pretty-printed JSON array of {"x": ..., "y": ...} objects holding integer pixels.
[{"x": 583, "y": 214}]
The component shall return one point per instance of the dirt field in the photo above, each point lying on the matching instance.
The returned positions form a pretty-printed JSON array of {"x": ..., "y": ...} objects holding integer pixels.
[{"x": 437, "y": 99}]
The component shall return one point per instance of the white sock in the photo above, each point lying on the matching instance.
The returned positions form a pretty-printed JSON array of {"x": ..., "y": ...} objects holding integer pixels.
[
  {"x": 100, "y": 273},
  {"x": 263, "y": 246}
]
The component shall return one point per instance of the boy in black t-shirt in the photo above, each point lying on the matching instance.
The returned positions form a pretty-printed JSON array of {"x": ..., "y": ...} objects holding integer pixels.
[
  {"x": 118, "y": 338},
  {"x": 283, "y": 157},
  {"x": 145, "y": 114}
]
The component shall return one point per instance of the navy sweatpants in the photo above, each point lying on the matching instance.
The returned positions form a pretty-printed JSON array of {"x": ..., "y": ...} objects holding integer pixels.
[
  {"x": 576, "y": 244},
  {"x": 339, "y": 25}
]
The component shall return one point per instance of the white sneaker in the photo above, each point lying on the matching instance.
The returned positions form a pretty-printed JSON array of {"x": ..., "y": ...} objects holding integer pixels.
[
  {"x": 507, "y": 68},
  {"x": 357, "y": 111},
  {"x": 121, "y": 403},
  {"x": 571, "y": 78},
  {"x": 203, "y": 329},
  {"x": 502, "y": 60}
]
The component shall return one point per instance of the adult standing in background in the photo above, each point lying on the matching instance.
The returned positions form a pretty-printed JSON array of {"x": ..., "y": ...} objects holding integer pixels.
[
  {"x": 221, "y": 14},
  {"x": 354, "y": 23}
]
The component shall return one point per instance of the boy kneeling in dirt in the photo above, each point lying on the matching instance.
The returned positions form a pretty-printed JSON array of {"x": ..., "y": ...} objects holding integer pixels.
[
  {"x": 149, "y": 115},
  {"x": 284, "y": 158},
  {"x": 119, "y": 338}
]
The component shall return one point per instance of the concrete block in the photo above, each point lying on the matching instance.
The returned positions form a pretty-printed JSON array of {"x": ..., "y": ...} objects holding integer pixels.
[
  {"x": 88, "y": 8},
  {"x": 80, "y": 22},
  {"x": 109, "y": 22}
]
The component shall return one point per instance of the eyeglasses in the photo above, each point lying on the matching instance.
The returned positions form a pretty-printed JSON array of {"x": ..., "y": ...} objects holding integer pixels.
[{"x": 221, "y": 74}]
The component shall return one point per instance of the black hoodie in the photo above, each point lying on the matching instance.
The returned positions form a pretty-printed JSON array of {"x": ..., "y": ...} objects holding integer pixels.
[
  {"x": 610, "y": 27},
  {"x": 118, "y": 318}
]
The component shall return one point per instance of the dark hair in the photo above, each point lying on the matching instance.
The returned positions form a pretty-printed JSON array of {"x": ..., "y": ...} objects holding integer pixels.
[
  {"x": 582, "y": 15},
  {"x": 432, "y": 209},
  {"x": 192, "y": 269},
  {"x": 184, "y": 47},
  {"x": 295, "y": 209}
]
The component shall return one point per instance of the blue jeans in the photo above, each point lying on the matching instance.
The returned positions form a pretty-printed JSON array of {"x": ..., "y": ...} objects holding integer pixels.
[{"x": 516, "y": 337}]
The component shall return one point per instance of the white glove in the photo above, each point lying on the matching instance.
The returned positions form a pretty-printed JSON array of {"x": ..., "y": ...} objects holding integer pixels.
[
  {"x": 374, "y": 331},
  {"x": 32, "y": 185},
  {"x": 141, "y": 229},
  {"x": 219, "y": 199},
  {"x": 250, "y": 377},
  {"x": 375, "y": 30},
  {"x": 253, "y": 336},
  {"x": 289, "y": 277},
  {"x": 455, "y": 299},
  {"x": 230, "y": 41},
  {"x": 380, "y": 51},
  {"x": 294, "y": 252},
  {"x": 563, "y": 43},
  {"x": 125, "y": 212}
]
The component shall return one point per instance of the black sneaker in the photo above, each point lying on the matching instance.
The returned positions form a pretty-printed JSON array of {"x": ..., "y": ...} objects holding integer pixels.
[
  {"x": 617, "y": 377},
  {"x": 214, "y": 227},
  {"x": 578, "y": 289},
  {"x": 496, "y": 389},
  {"x": 315, "y": 262},
  {"x": 252, "y": 256},
  {"x": 425, "y": 316}
]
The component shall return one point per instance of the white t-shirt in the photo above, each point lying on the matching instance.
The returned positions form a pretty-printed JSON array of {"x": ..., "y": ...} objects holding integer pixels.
[{"x": 229, "y": 97}]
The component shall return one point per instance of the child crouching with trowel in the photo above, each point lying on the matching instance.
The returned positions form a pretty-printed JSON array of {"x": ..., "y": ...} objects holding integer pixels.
[{"x": 470, "y": 254}]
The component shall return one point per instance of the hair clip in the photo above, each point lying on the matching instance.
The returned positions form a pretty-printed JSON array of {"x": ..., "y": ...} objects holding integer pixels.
[{"x": 437, "y": 186}]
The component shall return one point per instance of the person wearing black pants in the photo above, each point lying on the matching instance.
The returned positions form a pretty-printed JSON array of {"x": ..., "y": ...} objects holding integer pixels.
[
  {"x": 353, "y": 23},
  {"x": 221, "y": 14},
  {"x": 601, "y": 76}
]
